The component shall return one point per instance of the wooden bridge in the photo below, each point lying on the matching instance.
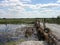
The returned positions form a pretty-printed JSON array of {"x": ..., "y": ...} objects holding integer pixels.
[{"x": 44, "y": 34}]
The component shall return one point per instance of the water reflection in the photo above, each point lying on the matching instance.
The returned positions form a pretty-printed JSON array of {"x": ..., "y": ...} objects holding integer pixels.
[
  {"x": 9, "y": 31},
  {"x": 14, "y": 32},
  {"x": 8, "y": 27}
]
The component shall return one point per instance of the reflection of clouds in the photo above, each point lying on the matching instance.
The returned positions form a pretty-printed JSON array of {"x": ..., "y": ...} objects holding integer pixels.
[
  {"x": 10, "y": 27},
  {"x": 22, "y": 25},
  {"x": 2, "y": 26}
]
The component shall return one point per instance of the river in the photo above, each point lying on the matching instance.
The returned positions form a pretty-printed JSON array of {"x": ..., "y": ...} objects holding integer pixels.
[{"x": 15, "y": 32}]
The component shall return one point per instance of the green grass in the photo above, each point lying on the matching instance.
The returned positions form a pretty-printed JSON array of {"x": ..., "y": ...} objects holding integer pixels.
[
  {"x": 28, "y": 20},
  {"x": 13, "y": 42},
  {"x": 16, "y": 21},
  {"x": 1, "y": 44},
  {"x": 8, "y": 43}
]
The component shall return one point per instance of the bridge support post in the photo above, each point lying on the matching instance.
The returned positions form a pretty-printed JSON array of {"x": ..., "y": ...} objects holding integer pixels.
[{"x": 44, "y": 23}]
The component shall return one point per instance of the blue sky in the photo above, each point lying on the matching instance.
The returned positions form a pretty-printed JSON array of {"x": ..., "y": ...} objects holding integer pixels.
[
  {"x": 43, "y": 1},
  {"x": 29, "y": 8}
]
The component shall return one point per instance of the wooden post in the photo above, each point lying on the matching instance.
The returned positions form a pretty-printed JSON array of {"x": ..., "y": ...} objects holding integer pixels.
[{"x": 44, "y": 23}]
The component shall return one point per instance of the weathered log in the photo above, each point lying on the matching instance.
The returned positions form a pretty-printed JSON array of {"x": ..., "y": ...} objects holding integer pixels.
[
  {"x": 45, "y": 33},
  {"x": 29, "y": 31}
]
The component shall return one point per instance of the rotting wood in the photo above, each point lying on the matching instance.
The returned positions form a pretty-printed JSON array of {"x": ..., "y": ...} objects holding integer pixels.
[{"x": 46, "y": 33}]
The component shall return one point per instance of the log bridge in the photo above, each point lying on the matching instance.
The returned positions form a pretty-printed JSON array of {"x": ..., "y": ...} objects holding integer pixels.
[{"x": 45, "y": 34}]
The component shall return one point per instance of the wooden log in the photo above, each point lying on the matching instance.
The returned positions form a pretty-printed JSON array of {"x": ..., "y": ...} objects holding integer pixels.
[
  {"x": 29, "y": 31},
  {"x": 46, "y": 32}
]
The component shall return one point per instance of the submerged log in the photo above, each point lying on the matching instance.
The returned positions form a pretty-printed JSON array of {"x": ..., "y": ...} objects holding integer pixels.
[{"x": 29, "y": 31}]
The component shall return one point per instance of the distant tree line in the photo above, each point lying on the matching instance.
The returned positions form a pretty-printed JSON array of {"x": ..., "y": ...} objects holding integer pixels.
[
  {"x": 29, "y": 20},
  {"x": 53, "y": 20}
]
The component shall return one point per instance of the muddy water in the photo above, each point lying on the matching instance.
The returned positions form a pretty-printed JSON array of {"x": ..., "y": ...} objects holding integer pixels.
[{"x": 16, "y": 32}]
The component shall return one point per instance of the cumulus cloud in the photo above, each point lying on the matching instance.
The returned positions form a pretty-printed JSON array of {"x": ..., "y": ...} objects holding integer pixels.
[
  {"x": 38, "y": 6},
  {"x": 21, "y": 4},
  {"x": 26, "y": 1},
  {"x": 58, "y": 1},
  {"x": 17, "y": 8}
]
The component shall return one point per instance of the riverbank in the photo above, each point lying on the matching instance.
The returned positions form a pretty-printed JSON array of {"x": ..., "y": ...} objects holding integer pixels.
[{"x": 29, "y": 20}]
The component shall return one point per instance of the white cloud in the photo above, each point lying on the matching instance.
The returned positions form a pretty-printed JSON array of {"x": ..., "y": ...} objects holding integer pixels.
[
  {"x": 37, "y": 6},
  {"x": 26, "y": 1},
  {"x": 58, "y": 1},
  {"x": 16, "y": 8}
]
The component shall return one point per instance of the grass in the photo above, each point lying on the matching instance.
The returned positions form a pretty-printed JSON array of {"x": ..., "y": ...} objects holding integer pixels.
[
  {"x": 9, "y": 43},
  {"x": 28, "y": 20},
  {"x": 1, "y": 44},
  {"x": 15, "y": 21},
  {"x": 13, "y": 42}
]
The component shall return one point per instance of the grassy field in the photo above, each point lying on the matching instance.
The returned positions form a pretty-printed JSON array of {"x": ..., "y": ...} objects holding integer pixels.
[
  {"x": 13, "y": 42},
  {"x": 17, "y": 21},
  {"x": 28, "y": 20}
]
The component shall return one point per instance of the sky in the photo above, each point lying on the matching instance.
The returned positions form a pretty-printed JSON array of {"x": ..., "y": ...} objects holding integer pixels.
[{"x": 29, "y": 8}]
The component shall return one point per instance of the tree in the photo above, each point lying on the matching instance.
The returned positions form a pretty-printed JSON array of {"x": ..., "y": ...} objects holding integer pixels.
[{"x": 58, "y": 20}]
